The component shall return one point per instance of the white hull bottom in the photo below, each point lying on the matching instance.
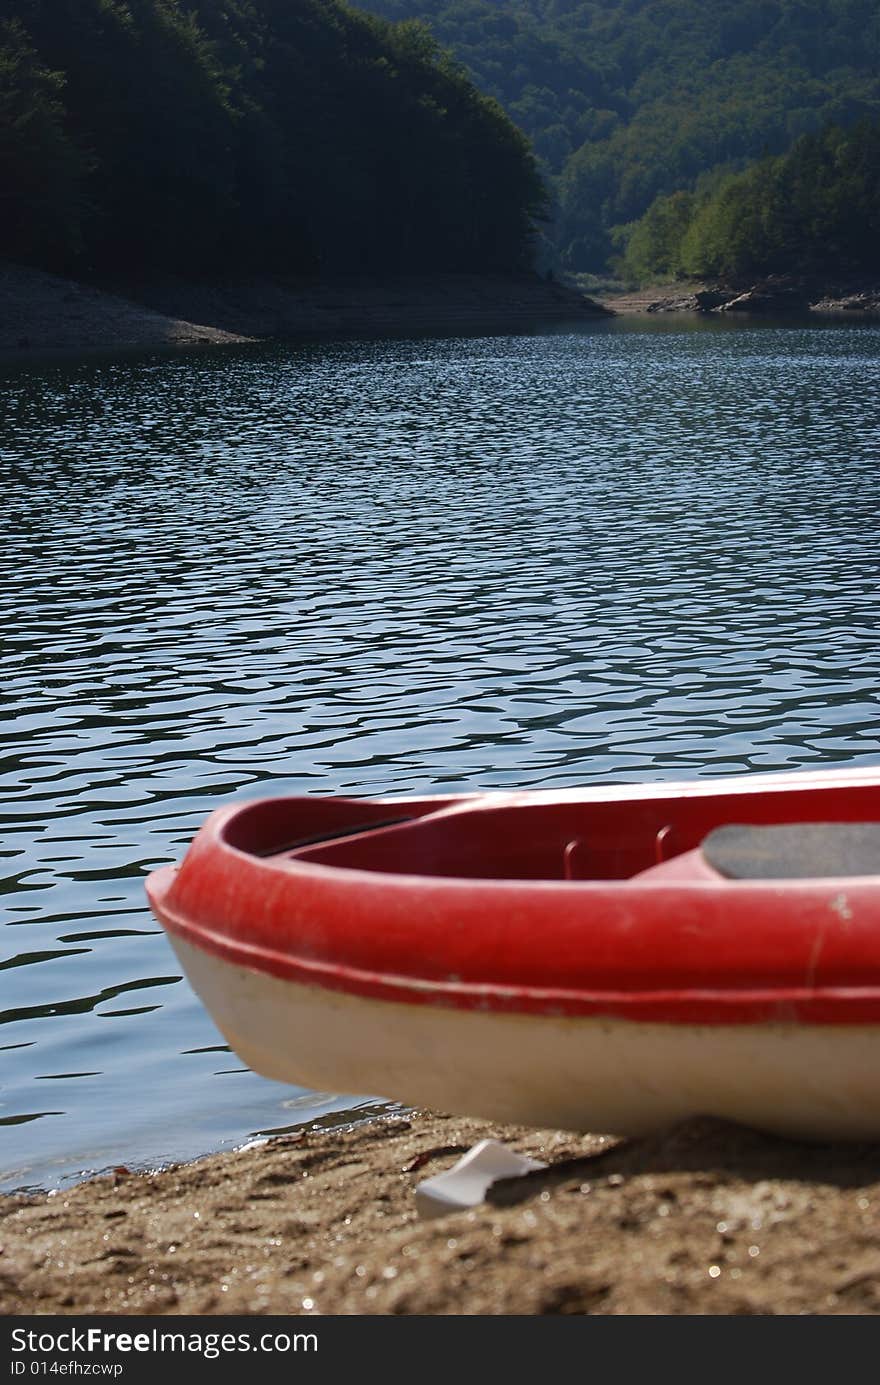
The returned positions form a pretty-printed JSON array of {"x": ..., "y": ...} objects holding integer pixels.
[{"x": 587, "y": 1074}]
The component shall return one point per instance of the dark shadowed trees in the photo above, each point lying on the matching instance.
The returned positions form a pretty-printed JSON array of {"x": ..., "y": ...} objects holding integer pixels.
[{"x": 214, "y": 135}]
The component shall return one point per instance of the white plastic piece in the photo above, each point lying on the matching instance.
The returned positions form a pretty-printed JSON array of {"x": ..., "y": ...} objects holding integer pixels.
[{"x": 468, "y": 1181}]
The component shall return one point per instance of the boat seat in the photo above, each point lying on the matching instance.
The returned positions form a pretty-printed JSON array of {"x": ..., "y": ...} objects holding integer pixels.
[{"x": 794, "y": 851}]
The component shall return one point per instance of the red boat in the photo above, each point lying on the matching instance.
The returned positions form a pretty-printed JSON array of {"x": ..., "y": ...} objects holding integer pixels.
[{"x": 606, "y": 959}]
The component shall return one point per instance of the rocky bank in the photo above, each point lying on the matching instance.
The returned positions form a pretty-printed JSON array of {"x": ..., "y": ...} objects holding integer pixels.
[{"x": 768, "y": 297}]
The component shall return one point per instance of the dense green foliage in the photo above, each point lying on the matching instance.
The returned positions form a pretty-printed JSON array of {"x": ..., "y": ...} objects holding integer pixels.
[
  {"x": 628, "y": 100},
  {"x": 41, "y": 169},
  {"x": 814, "y": 209},
  {"x": 203, "y": 135},
  {"x": 548, "y": 83}
]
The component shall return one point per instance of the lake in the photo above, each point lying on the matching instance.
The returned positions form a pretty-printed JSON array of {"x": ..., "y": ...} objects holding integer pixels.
[{"x": 638, "y": 550}]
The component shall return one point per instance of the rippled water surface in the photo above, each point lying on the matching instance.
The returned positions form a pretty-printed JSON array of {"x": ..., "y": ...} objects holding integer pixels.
[{"x": 628, "y": 553}]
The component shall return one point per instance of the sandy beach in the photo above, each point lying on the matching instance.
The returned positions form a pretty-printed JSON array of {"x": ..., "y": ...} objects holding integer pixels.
[{"x": 705, "y": 1218}]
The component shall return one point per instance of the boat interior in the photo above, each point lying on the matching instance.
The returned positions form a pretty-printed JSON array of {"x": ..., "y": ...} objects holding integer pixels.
[{"x": 789, "y": 831}]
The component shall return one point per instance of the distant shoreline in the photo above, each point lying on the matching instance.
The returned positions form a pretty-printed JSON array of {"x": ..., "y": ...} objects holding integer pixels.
[
  {"x": 772, "y": 295},
  {"x": 45, "y": 313}
]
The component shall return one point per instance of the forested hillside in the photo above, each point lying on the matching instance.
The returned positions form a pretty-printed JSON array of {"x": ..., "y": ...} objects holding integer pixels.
[
  {"x": 209, "y": 135},
  {"x": 628, "y": 100},
  {"x": 811, "y": 211}
]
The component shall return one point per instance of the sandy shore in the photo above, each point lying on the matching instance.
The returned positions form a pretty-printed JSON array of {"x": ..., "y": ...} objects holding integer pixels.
[
  {"x": 706, "y": 1218},
  {"x": 44, "y": 312}
]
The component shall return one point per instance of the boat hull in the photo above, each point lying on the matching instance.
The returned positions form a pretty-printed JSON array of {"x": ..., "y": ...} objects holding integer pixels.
[
  {"x": 573, "y": 961},
  {"x": 583, "y": 1073}
]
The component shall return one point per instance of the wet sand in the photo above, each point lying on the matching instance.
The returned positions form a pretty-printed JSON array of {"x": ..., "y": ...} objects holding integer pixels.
[{"x": 706, "y": 1218}]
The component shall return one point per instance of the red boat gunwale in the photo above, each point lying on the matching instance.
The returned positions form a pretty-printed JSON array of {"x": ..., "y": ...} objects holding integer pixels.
[{"x": 359, "y": 896}]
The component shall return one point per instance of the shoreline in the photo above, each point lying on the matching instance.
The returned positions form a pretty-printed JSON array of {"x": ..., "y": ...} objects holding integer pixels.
[
  {"x": 771, "y": 296},
  {"x": 703, "y": 1218},
  {"x": 46, "y": 313}
]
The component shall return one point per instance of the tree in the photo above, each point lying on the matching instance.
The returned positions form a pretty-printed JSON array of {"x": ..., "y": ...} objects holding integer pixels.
[{"x": 41, "y": 169}]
